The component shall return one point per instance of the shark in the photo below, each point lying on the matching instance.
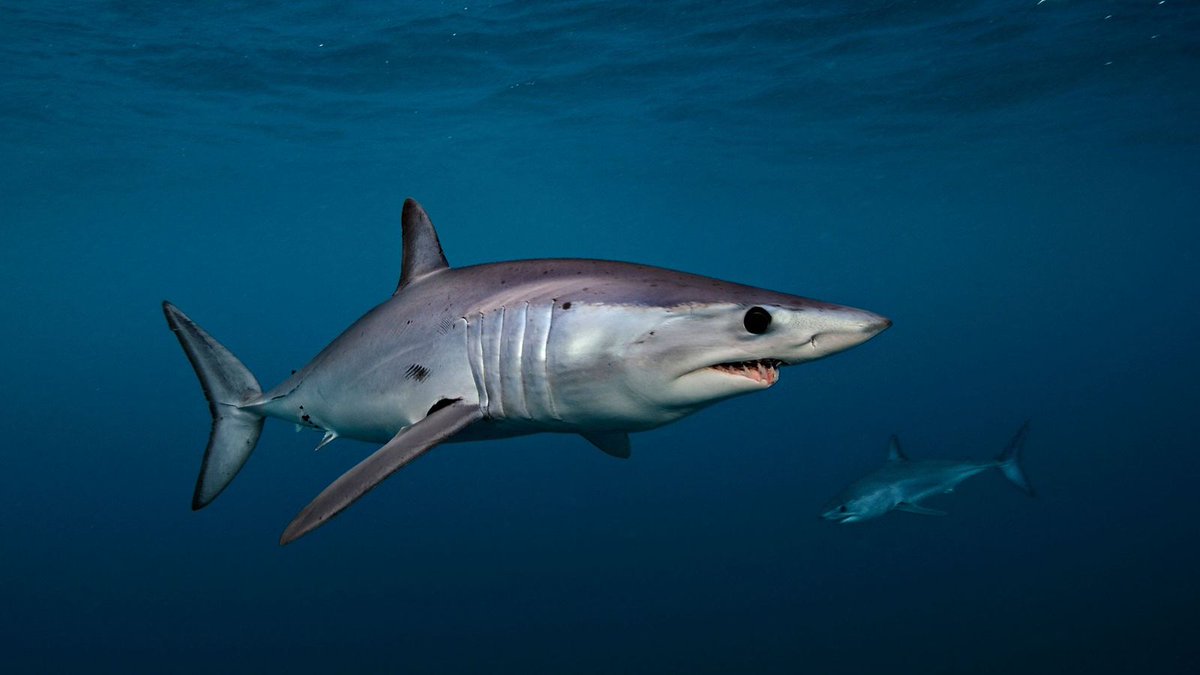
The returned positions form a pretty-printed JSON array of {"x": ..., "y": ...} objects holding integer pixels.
[
  {"x": 596, "y": 348},
  {"x": 903, "y": 484}
]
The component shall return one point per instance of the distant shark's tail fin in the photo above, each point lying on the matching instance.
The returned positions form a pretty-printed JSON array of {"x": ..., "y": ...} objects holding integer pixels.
[
  {"x": 1010, "y": 461},
  {"x": 227, "y": 385}
]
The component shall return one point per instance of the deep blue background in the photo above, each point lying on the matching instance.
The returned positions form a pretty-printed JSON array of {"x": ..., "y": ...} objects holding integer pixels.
[{"x": 1016, "y": 185}]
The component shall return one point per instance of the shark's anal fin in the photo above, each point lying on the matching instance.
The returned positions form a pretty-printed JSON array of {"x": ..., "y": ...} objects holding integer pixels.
[
  {"x": 921, "y": 510},
  {"x": 422, "y": 254},
  {"x": 615, "y": 443},
  {"x": 404, "y": 447}
]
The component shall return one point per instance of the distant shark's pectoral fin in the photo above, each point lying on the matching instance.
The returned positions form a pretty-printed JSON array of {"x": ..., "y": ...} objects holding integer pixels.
[
  {"x": 404, "y": 447},
  {"x": 615, "y": 443},
  {"x": 921, "y": 510}
]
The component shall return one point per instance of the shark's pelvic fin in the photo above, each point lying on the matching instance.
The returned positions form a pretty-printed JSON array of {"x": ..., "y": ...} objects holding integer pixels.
[
  {"x": 227, "y": 385},
  {"x": 328, "y": 438},
  {"x": 921, "y": 510},
  {"x": 895, "y": 454},
  {"x": 422, "y": 253},
  {"x": 410, "y": 443},
  {"x": 615, "y": 443}
]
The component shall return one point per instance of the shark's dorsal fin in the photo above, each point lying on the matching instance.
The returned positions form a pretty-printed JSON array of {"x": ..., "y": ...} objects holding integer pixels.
[
  {"x": 895, "y": 454},
  {"x": 422, "y": 253},
  {"x": 615, "y": 443}
]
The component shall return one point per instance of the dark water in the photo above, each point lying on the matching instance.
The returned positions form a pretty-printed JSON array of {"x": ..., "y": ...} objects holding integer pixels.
[{"x": 1014, "y": 184}]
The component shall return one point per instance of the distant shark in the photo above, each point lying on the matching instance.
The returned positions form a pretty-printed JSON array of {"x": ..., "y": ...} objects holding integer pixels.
[
  {"x": 902, "y": 484},
  {"x": 586, "y": 347}
]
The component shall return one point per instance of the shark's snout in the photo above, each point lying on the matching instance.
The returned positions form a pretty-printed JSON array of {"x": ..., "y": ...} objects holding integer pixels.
[
  {"x": 870, "y": 324},
  {"x": 852, "y": 328},
  {"x": 840, "y": 514}
]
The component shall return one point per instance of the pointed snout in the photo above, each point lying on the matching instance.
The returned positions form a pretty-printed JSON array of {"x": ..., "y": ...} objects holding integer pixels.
[
  {"x": 839, "y": 515},
  {"x": 844, "y": 328},
  {"x": 881, "y": 324},
  {"x": 871, "y": 324}
]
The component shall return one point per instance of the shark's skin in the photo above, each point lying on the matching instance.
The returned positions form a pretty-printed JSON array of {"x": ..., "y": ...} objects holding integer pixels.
[
  {"x": 590, "y": 347},
  {"x": 902, "y": 484}
]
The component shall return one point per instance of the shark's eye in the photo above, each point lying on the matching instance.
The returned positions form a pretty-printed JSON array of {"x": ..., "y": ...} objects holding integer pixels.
[
  {"x": 842, "y": 508},
  {"x": 757, "y": 320}
]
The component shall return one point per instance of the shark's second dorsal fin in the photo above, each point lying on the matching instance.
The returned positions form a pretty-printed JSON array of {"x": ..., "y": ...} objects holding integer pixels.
[
  {"x": 895, "y": 454},
  {"x": 422, "y": 252}
]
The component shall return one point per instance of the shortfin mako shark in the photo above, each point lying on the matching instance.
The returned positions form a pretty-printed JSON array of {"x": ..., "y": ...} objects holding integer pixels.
[
  {"x": 902, "y": 484},
  {"x": 588, "y": 347}
]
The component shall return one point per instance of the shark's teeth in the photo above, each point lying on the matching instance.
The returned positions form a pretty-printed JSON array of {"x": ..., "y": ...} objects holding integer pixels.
[{"x": 763, "y": 371}]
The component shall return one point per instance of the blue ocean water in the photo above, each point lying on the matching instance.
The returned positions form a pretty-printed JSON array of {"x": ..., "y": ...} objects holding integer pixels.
[{"x": 1015, "y": 184}]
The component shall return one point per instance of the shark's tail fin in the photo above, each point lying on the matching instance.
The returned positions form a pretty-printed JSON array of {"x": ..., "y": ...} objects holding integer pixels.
[
  {"x": 1010, "y": 461},
  {"x": 227, "y": 385}
]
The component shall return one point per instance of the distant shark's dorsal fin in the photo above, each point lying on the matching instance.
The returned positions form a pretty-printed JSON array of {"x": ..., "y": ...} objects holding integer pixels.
[
  {"x": 895, "y": 454},
  {"x": 422, "y": 254}
]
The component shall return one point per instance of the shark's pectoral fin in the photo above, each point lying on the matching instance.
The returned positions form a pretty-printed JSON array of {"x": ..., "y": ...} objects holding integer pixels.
[
  {"x": 914, "y": 508},
  {"x": 615, "y": 443},
  {"x": 404, "y": 447}
]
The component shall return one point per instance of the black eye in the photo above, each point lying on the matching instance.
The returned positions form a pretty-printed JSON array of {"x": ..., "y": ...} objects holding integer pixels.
[
  {"x": 757, "y": 320},
  {"x": 842, "y": 508}
]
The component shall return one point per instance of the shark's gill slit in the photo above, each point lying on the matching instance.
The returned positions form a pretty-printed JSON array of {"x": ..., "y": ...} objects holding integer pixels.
[
  {"x": 493, "y": 350},
  {"x": 538, "y": 398},
  {"x": 514, "y": 350},
  {"x": 476, "y": 356}
]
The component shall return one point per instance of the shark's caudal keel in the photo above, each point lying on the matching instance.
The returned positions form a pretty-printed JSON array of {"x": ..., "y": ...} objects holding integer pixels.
[
  {"x": 902, "y": 484},
  {"x": 591, "y": 347}
]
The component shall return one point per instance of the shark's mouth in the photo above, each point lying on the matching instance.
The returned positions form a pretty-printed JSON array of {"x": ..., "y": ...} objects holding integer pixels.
[{"x": 763, "y": 371}]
